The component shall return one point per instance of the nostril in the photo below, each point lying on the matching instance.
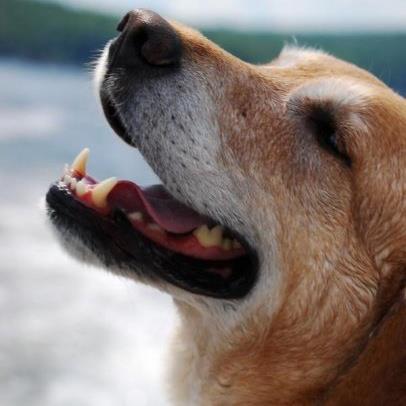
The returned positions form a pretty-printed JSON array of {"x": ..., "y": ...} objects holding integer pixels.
[
  {"x": 162, "y": 45},
  {"x": 148, "y": 36}
]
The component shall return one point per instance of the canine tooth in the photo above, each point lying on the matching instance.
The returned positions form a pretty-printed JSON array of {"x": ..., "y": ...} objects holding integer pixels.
[
  {"x": 136, "y": 216},
  {"x": 209, "y": 238},
  {"x": 155, "y": 227},
  {"x": 226, "y": 244},
  {"x": 80, "y": 162},
  {"x": 81, "y": 188},
  {"x": 236, "y": 244},
  {"x": 100, "y": 192}
]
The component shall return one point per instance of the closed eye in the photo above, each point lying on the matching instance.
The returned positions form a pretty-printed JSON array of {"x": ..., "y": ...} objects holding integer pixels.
[{"x": 322, "y": 123}]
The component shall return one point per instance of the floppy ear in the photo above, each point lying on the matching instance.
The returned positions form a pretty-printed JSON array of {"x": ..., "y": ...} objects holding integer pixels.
[
  {"x": 378, "y": 152},
  {"x": 365, "y": 126}
]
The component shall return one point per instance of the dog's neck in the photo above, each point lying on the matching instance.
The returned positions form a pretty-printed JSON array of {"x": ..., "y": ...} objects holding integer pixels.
[
  {"x": 296, "y": 360},
  {"x": 378, "y": 375}
]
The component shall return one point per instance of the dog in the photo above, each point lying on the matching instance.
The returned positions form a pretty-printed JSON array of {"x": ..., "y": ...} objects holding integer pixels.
[{"x": 280, "y": 226}]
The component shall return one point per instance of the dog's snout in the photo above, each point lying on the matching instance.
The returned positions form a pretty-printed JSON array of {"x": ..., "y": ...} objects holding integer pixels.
[{"x": 146, "y": 36}]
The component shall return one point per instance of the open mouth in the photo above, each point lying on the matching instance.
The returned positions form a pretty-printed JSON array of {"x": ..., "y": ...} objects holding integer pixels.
[{"x": 150, "y": 230}]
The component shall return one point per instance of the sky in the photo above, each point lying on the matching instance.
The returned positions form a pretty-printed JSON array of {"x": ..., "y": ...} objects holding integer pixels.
[{"x": 278, "y": 15}]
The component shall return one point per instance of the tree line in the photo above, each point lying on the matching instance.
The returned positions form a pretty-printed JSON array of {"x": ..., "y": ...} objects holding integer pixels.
[{"x": 51, "y": 32}]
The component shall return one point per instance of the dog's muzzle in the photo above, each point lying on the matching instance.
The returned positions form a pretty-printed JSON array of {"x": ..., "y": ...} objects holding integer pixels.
[
  {"x": 147, "y": 45},
  {"x": 146, "y": 38}
]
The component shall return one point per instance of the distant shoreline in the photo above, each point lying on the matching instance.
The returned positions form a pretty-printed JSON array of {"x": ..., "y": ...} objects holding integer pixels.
[
  {"x": 58, "y": 35},
  {"x": 48, "y": 64}
]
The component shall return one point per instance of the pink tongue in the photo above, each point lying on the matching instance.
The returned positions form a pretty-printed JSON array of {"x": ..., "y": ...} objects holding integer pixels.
[{"x": 170, "y": 214}]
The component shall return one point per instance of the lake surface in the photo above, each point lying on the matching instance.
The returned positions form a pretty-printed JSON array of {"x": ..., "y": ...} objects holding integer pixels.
[{"x": 69, "y": 334}]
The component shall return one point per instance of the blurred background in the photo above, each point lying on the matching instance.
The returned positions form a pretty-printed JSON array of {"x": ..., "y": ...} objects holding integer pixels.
[{"x": 70, "y": 335}]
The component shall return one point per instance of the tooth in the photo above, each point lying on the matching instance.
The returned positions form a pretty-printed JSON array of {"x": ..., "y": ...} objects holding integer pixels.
[
  {"x": 226, "y": 244},
  {"x": 67, "y": 179},
  {"x": 73, "y": 183},
  {"x": 155, "y": 227},
  {"x": 209, "y": 238},
  {"x": 81, "y": 188},
  {"x": 66, "y": 171},
  {"x": 100, "y": 192},
  {"x": 80, "y": 162},
  {"x": 135, "y": 216},
  {"x": 201, "y": 234},
  {"x": 236, "y": 244},
  {"x": 216, "y": 233}
]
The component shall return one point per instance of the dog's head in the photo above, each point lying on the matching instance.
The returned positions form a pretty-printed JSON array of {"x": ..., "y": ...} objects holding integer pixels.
[{"x": 301, "y": 162}]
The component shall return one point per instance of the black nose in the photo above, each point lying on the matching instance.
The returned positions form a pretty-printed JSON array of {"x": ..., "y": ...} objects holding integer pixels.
[{"x": 145, "y": 36}]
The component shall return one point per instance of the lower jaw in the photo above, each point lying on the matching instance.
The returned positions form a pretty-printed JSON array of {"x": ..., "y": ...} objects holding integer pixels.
[{"x": 118, "y": 245}]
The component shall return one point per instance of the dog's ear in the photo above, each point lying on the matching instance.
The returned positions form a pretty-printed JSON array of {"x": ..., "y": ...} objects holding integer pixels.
[{"x": 365, "y": 126}]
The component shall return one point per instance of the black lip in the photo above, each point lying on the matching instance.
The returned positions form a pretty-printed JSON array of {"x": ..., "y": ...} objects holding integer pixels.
[
  {"x": 117, "y": 244},
  {"x": 113, "y": 117},
  {"x": 109, "y": 109}
]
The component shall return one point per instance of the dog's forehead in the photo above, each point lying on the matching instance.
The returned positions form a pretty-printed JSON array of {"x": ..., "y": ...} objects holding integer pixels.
[{"x": 305, "y": 62}]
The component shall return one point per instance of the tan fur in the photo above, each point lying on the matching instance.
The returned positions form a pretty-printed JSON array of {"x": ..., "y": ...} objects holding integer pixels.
[
  {"x": 331, "y": 338},
  {"x": 325, "y": 322}
]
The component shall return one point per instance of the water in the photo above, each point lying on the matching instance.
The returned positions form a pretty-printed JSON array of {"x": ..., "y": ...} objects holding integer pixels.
[{"x": 69, "y": 335}]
